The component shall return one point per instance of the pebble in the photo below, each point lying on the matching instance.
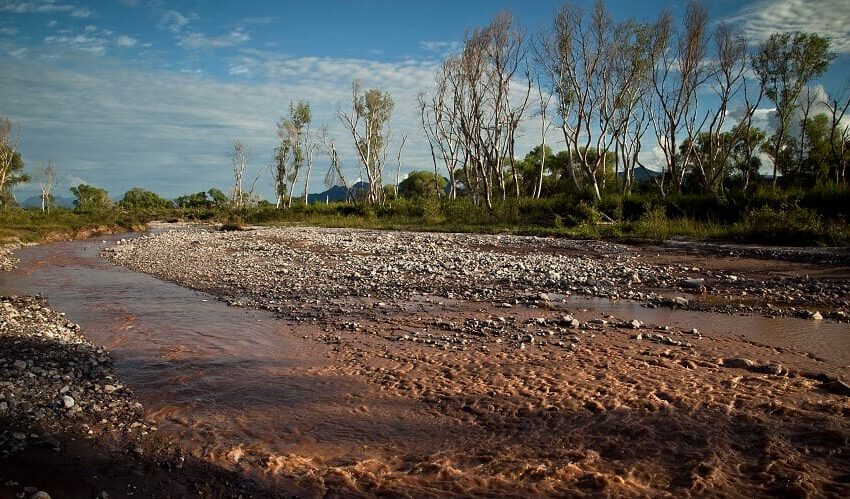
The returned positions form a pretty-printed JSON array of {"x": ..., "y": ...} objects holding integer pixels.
[{"x": 67, "y": 401}]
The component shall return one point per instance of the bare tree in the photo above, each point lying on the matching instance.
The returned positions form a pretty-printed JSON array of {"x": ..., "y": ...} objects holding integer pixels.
[
  {"x": 598, "y": 72},
  {"x": 334, "y": 174},
  {"x": 398, "y": 166},
  {"x": 46, "y": 182},
  {"x": 239, "y": 160},
  {"x": 714, "y": 147},
  {"x": 543, "y": 100},
  {"x": 486, "y": 107},
  {"x": 679, "y": 73},
  {"x": 10, "y": 162},
  {"x": 368, "y": 125},
  {"x": 839, "y": 135}
]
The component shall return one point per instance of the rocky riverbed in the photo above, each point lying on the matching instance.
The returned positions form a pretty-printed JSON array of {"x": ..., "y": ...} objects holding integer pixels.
[
  {"x": 537, "y": 396},
  {"x": 70, "y": 428}
]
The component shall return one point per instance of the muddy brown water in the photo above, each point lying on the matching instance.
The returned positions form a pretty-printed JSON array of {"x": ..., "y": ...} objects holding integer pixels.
[{"x": 230, "y": 383}]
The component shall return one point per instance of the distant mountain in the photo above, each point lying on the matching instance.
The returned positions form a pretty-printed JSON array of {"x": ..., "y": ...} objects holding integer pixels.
[
  {"x": 337, "y": 193},
  {"x": 35, "y": 202}
]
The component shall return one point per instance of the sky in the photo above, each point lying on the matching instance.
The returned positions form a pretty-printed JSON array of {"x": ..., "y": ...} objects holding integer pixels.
[{"x": 152, "y": 93}]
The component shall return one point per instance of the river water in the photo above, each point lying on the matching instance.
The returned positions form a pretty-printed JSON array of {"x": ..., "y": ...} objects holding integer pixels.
[{"x": 229, "y": 382}]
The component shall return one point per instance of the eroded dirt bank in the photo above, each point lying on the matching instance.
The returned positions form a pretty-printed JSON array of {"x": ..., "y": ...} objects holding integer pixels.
[{"x": 488, "y": 382}]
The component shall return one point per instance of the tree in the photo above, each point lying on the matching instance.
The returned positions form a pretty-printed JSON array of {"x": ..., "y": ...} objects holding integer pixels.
[
  {"x": 368, "y": 125},
  {"x": 219, "y": 199},
  {"x": 420, "y": 184},
  {"x": 477, "y": 96},
  {"x": 239, "y": 160},
  {"x": 744, "y": 161},
  {"x": 90, "y": 199},
  {"x": 839, "y": 136},
  {"x": 711, "y": 156},
  {"x": 784, "y": 64},
  {"x": 598, "y": 71},
  {"x": 679, "y": 72},
  {"x": 11, "y": 163},
  {"x": 46, "y": 182},
  {"x": 138, "y": 199}
]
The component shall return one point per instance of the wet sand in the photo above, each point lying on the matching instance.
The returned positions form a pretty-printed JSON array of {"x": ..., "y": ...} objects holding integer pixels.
[{"x": 458, "y": 368}]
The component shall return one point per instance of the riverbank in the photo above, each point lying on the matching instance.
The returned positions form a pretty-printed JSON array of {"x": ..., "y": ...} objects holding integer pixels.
[
  {"x": 535, "y": 394},
  {"x": 69, "y": 427}
]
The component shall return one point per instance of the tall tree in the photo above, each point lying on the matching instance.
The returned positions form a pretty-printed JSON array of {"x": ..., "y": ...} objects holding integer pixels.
[
  {"x": 11, "y": 163},
  {"x": 46, "y": 181},
  {"x": 839, "y": 135},
  {"x": 296, "y": 147},
  {"x": 785, "y": 64},
  {"x": 368, "y": 124},
  {"x": 90, "y": 199},
  {"x": 679, "y": 72},
  {"x": 239, "y": 160}
]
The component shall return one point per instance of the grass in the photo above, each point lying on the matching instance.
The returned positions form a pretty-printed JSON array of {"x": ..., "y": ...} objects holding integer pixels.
[{"x": 796, "y": 218}]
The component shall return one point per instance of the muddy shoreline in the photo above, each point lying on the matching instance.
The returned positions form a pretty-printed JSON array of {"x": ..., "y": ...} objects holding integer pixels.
[
  {"x": 540, "y": 399},
  {"x": 471, "y": 334}
]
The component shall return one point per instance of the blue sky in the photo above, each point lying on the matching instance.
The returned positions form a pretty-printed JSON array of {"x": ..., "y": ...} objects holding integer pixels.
[{"x": 152, "y": 93}]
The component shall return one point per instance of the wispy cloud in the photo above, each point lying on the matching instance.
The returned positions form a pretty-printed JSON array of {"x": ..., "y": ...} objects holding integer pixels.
[
  {"x": 93, "y": 40},
  {"x": 195, "y": 40},
  {"x": 829, "y": 18},
  {"x": 173, "y": 21},
  {"x": 7, "y": 31},
  {"x": 44, "y": 7},
  {"x": 439, "y": 47}
]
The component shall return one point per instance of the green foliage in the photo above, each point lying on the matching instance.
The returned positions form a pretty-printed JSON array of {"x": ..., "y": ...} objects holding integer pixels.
[
  {"x": 422, "y": 184},
  {"x": 90, "y": 199},
  {"x": 138, "y": 200}
]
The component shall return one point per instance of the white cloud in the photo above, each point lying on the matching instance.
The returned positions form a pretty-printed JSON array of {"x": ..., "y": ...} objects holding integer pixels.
[
  {"x": 829, "y": 18},
  {"x": 125, "y": 41},
  {"x": 44, "y": 7},
  {"x": 52, "y": 23},
  {"x": 7, "y": 31},
  {"x": 200, "y": 41}
]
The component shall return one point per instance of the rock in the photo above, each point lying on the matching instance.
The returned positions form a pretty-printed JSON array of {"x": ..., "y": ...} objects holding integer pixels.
[
  {"x": 635, "y": 324},
  {"x": 67, "y": 401},
  {"x": 693, "y": 283},
  {"x": 109, "y": 388},
  {"x": 681, "y": 301},
  {"x": 20, "y": 365},
  {"x": 816, "y": 316},
  {"x": 40, "y": 495},
  {"x": 837, "y": 387},
  {"x": 772, "y": 368},
  {"x": 738, "y": 363},
  {"x": 543, "y": 296}
]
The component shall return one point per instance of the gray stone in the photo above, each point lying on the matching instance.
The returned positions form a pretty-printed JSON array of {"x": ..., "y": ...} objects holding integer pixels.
[
  {"x": 20, "y": 365},
  {"x": 738, "y": 363},
  {"x": 67, "y": 401},
  {"x": 681, "y": 301}
]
